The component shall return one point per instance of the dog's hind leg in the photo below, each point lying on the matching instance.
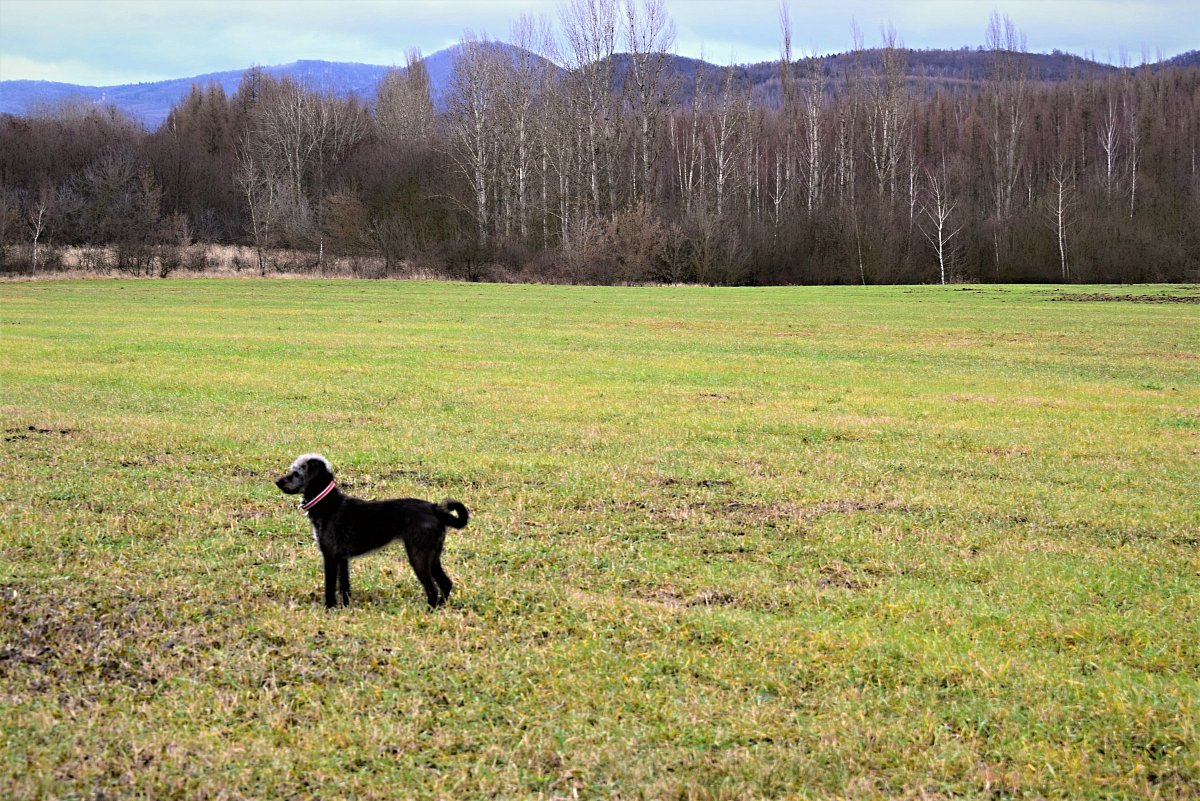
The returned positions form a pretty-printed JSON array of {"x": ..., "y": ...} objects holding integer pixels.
[
  {"x": 439, "y": 575},
  {"x": 344, "y": 579},
  {"x": 421, "y": 565}
]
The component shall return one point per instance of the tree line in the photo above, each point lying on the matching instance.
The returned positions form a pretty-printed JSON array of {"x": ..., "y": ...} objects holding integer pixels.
[{"x": 577, "y": 152}]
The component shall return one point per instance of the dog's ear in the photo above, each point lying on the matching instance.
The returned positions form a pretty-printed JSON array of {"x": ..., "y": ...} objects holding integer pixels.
[{"x": 316, "y": 471}]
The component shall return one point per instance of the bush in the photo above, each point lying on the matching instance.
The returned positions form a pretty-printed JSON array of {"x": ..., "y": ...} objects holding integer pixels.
[{"x": 94, "y": 259}]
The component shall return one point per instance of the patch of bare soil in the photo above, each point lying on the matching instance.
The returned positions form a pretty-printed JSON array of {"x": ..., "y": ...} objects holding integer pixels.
[
  {"x": 841, "y": 576},
  {"x": 762, "y": 513},
  {"x": 672, "y": 598},
  {"x": 1100, "y": 297},
  {"x": 64, "y": 639},
  {"x": 15, "y": 434}
]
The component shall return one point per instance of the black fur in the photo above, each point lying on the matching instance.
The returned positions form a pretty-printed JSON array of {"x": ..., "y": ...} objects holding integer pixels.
[{"x": 346, "y": 527}]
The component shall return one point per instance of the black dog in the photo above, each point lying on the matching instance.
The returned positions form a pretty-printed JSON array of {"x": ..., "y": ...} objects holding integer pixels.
[{"x": 346, "y": 527}]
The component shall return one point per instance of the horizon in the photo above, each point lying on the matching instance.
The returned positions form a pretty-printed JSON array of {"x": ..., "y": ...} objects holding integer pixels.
[
  {"x": 832, "y": 54},
  {"x": 127, "y": 42}
]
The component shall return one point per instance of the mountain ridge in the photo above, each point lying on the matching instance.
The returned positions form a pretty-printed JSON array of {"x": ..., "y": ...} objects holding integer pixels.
[{"x": 150, "y": 102}]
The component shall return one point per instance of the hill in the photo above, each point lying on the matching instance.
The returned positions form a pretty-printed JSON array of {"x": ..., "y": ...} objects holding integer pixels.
[
  {"x": 149, "y": 103},
  {"x": 1189, "y": 59},
  {"x": 965, "y": 68}
]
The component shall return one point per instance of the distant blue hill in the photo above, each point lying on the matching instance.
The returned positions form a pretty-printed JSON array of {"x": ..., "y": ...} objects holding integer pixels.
[{"x": 149, "y": 103}]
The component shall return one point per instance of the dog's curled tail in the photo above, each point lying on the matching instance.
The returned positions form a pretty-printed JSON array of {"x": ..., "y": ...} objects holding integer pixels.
[{"x": 452, "y": 513}]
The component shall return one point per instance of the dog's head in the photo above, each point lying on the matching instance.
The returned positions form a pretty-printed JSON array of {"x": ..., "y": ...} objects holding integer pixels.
[{"x": 308, "y": 469}]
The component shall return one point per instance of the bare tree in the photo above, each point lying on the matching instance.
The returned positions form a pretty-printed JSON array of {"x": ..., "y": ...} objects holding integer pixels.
[
  {"x": 1061, "y": 203},
  {"x": 887, "y": 113},
  {"x": 1108, "y": 136},
  {"x": 940, "y": 231},
  {"x": 11, "y": 218},
  {"x": 404, "y": 105},
  {"x": 649, "y": 35},
  {"x": 1133, "y": 135},
  {"x": 340, "y": 126},
  {"x": 1009, "y": 110},
  {"x": 848, "y": 119},
  {"x": 302, "y": 135},
  {"x": 36, "y": 211},
  {"x": 283, "y": 133},
  {"x": 471, "y": 113},
  {"x": 727, "y": 129},
  {"x": 520, "y": 81},
  {"x": 814, "y": 97},
  {"x": 263, "y": 192},
  {"x": 783, "y": 161},
  {"x": 777, "y": 181},
  {"x": 590, "y": 32},
  {"x": 120, "y": 203},
  {"x": 560, "y": 162},
  {"x": 687, "y": 144}
]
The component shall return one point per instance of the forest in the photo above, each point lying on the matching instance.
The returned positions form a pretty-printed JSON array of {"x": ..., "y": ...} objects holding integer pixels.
[{"x": 581, "y": 151}]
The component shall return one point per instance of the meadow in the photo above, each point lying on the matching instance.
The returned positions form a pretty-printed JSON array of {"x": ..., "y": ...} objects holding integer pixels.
[{"x": 862, "y": 543}]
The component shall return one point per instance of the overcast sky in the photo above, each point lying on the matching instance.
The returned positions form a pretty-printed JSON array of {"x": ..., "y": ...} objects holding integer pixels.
[{"x": 106, "y": 42}]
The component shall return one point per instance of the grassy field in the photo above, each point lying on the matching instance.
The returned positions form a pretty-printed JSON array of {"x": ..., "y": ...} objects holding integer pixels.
[{"x": 726, "y": 543}]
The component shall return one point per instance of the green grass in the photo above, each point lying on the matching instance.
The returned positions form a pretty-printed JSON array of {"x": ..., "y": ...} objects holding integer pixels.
[{"x": 726, "y": 543}]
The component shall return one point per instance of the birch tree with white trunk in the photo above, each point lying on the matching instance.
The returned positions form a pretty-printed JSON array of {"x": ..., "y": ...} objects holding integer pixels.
[
  {"x": 589, "y": 30},
  {"x": 1060, "y": 202},
  {"x": 471, "y": 112},
  {"x": 1109, "y": 135},
  {"x": 649, "y": 36},
  {"x": 38, "y": 208},
  {"x": 1133, "y": 136},
  {"x": 687, "y": 143},
  {"x": 936, "y": 225}
]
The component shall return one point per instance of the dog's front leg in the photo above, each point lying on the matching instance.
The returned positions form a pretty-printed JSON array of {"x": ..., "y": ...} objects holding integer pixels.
[
  {"x": 331, "y": 573},
  {"x": 344, "y": 579}
]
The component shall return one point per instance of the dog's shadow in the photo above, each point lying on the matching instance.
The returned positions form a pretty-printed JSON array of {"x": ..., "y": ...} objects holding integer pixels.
[{"x": 379, "y": 599}]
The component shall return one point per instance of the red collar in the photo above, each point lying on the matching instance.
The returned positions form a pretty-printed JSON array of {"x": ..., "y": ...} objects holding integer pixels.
[{"x": 306, "y": 506}]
